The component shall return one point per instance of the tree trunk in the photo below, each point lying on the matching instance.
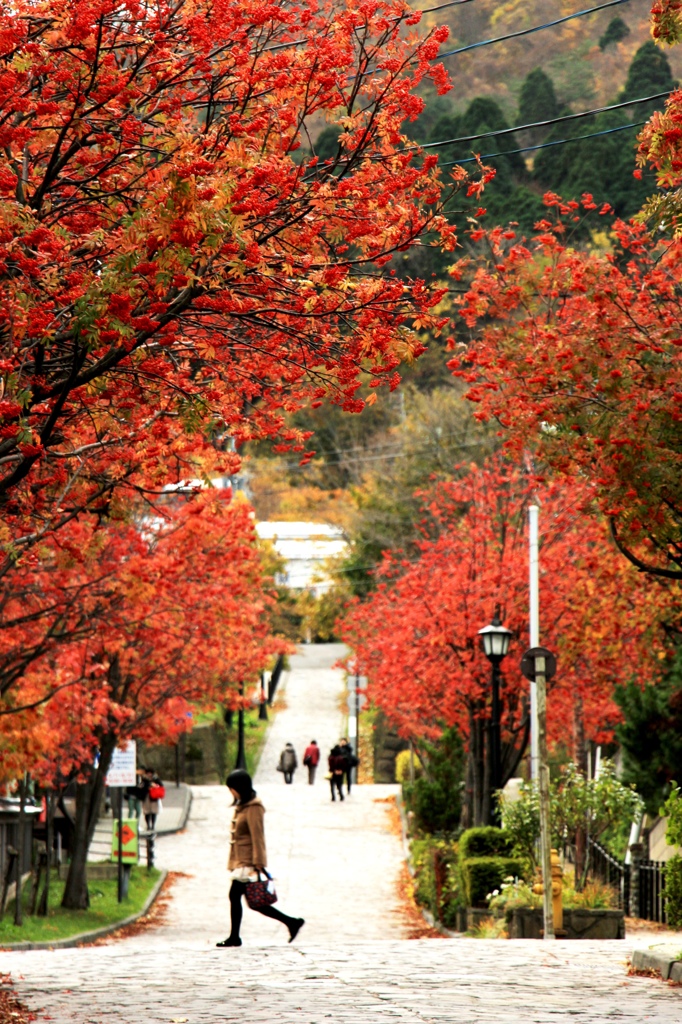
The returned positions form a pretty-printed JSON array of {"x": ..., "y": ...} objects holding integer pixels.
[
  {"x": 88, "y": 800},
  {"x": 21, "y": 846},
  {"x": 580, "y": 758}
]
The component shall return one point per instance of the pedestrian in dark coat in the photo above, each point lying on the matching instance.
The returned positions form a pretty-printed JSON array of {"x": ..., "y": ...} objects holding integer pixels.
[
  {"x": 311, "y": 759},
  {"x": 288, "y": 763},
  {"x": 248, "y": 856},
  {"x": 337, "y": 764},
  {"x": 350, "y": 759}
]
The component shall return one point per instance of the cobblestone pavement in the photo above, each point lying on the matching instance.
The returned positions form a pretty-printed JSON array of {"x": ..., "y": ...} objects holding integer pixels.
[
  {"x": 458, "y": 981},
  {"x": 336, "y": 865}
]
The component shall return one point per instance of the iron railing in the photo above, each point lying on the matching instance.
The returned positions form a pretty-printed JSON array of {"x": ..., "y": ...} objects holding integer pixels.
[
  {"x": 652, "y": 891},
  {"x": 611, "y": 871}
]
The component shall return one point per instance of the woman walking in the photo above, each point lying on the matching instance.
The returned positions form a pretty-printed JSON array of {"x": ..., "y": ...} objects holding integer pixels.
[{"x": 248, "y": 856}]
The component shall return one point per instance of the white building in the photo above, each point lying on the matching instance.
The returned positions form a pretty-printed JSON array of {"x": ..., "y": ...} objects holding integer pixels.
[{"x": 304, "y": 548}]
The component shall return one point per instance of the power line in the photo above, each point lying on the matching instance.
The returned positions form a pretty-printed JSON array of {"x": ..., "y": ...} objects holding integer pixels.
[
  {"x": 544, "y": 145},
  {"x": 528, "y": 31},
  {"x": 540, "y": 124}
]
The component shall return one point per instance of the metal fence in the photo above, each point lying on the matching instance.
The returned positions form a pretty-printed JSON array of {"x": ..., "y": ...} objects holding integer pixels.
[
  {"x": 652, "y": 890},
  {"x": 605, "y": 867}
]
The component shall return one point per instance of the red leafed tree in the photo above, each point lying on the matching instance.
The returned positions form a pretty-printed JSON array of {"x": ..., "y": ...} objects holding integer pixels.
[
  {"x": 170, "y": 611},
  {"x": 178, "y": 266},
  {"x": 578, "y": 356},
  {"x": 416, "y": 636}
]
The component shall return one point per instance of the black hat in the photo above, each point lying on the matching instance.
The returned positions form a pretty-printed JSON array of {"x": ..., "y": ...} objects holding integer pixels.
[{"x": 240, "y": 782}]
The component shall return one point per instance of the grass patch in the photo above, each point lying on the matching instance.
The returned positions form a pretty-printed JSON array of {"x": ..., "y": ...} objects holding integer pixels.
[{"x": 63, "y": 924}]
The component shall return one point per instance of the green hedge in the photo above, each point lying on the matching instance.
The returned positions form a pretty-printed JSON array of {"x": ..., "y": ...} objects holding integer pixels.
[
  {"x": 429, "y": 856},
  {"x": 486, "y": 841},
  {"x": 481, "y": 875}
]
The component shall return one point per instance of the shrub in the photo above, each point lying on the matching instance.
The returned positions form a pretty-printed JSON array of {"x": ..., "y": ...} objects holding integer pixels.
[
  {"x": 484, "y": 842},
  {"x": 437, "y": 882},
  {"x": 482, "y": 875},
  {"x": 402, "y": 767},
  {"x": 521, "y": 821},
  {"x": 673, "y": 891},
  {"x": 436, "y": 798},
  {"x": 513, "y": 894}
]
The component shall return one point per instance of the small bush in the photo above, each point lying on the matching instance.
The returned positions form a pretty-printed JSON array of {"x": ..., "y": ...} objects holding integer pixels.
[
  {"x": 482, "y": 875},
  {"x": 673, "y": 891},
  {"x": 484, "y": 842},
  {"x": 437, "y": 881},
  {"x": 489, "y": 928},
  {"x": 402, "y": 767},
  {"x": 436, "y": 798}
]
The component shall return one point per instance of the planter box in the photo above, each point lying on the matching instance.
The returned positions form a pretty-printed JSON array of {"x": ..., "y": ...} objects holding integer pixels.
[
  {"x": 526, "y": 923},
  {"x": 472, "y": 917}
]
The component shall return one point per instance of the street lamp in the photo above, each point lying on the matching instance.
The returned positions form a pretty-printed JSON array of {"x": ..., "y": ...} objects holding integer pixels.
[{"x": 495, "y": 643}]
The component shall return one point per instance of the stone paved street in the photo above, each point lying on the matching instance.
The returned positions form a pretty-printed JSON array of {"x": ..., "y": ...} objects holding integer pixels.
[{"x": 337, "y": 865}]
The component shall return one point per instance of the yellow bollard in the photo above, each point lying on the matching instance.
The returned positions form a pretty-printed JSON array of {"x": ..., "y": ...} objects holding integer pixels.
[{"x": 557, "y": 892}]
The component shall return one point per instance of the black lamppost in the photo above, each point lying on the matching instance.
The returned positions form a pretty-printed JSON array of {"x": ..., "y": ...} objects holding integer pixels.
[
  {"x": 495, "y": 643},
  {"x": 241, "y": 756}
]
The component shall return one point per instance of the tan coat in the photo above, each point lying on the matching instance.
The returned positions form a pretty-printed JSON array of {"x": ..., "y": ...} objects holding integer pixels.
[{"x": 247, "y": 843}]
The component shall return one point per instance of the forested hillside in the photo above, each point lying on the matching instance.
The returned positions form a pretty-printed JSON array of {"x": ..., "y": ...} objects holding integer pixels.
[{"x": 584, "y": 73}]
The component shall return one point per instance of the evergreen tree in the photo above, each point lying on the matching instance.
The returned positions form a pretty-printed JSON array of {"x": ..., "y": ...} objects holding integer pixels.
[
  {"x": 651, "y": 734},
  {"x": 615, "y": 31},
  {"x": 537, "y": 102},
  {"x": 604, "y": 165},
  {"x": 648, "y": 74}
]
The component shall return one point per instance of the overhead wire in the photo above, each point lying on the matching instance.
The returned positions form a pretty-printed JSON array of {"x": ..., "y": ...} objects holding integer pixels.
[
  {"x": 527, "y": 31},
  {"x": 543, "y": 145},
  {"x": 540, "y": 124}
]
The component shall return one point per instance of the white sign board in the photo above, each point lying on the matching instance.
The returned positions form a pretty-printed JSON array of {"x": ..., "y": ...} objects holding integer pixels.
[{"x": 122, "y": 768}]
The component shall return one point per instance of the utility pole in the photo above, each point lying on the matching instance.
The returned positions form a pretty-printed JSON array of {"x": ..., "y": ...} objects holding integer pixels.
[{"x": 538, "y": 665}]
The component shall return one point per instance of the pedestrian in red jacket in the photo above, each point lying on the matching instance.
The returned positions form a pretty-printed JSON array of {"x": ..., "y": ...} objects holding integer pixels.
[{"x": 311, "y": 759}]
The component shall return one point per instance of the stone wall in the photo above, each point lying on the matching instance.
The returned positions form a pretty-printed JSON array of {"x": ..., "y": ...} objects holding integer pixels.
[
  {"x": 201, "y": 756},
  {"x": 387, "y": 746}
]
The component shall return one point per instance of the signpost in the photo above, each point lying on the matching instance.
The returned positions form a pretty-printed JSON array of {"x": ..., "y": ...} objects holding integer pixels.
[
  {"x": 122, "y": 773},
  {"x": 356, "y": 700}
]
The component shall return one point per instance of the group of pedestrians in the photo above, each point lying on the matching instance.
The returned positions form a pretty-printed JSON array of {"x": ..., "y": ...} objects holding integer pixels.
[
  {"x": 341, "y": 761},
  {"x": 146, "y": 796}
]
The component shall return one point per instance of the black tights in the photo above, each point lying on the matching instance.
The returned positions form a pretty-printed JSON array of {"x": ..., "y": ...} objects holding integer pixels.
[{"x": 237, "y": 890}]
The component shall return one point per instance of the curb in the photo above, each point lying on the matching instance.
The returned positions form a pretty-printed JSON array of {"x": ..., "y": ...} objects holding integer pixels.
[
  {"x": 666, "y": 960},
  {"x": 85, "y": 937}
]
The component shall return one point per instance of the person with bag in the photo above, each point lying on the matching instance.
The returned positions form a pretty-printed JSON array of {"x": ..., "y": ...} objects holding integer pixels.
[
  {"x": 153, "y": 792},
  {"x": 337, "y": 764},
  {"x": 311, "y": 759},
  {"x": 248, "y": 861},
  {"x": 288, "y": 763}
]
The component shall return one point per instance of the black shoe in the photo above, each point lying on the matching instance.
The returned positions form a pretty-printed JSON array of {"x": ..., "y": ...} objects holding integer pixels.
[
  {"x": 295, "y": 928},
  {"x": 229, "y": 942},
  {"x": 341, "y": 798}
]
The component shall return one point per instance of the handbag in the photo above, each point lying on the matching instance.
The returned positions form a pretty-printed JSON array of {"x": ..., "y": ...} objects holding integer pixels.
[
  {"x": 260, "y": 893},
  {"x": 157, "y": 792}
]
